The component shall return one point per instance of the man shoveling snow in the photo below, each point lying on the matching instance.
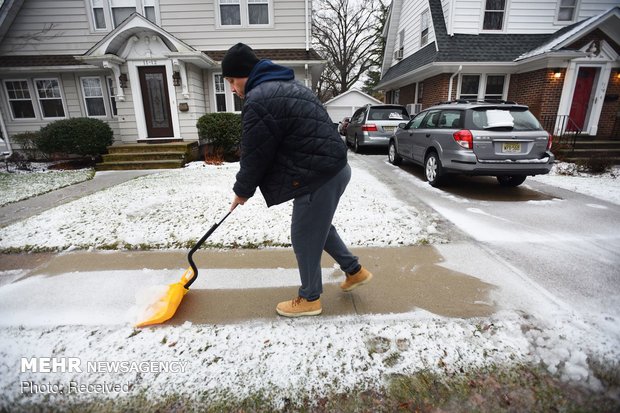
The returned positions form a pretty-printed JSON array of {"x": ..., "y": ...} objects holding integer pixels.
[{"x": 291, "y": 150}]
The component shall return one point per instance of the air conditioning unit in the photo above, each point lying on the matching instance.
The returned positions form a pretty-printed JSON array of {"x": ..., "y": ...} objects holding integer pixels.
[
  {"x": 414, "y": 108},
  {"x": 398, "y": 54}
]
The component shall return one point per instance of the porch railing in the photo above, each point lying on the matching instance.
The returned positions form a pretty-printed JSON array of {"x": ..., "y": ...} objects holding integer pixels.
[{"x": 563, "y": 129}]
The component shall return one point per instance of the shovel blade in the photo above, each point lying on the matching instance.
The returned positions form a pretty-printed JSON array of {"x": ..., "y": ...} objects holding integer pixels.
[{"x": 163, "y": 308}]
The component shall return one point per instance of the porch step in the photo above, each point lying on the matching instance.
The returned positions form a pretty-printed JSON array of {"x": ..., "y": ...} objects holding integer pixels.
[
  {"x": 148, "y": 156},
  {"x": 586, "y": 149}
]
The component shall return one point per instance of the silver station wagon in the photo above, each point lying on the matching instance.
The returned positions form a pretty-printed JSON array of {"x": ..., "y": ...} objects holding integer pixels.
[
  {"x": 373, "y": 125},
  {"x": 475, "y": 138}
]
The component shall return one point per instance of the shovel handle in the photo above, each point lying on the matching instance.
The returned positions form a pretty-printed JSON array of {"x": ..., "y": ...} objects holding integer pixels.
[{"x": 197, "y": 246}]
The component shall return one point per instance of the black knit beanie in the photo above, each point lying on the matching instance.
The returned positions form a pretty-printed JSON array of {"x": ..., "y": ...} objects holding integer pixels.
[{"x": 239, "y": 61}]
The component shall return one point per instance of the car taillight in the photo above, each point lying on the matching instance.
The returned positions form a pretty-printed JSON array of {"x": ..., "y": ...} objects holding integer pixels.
[
  {"x": 369, "y": 128},
  {"x": 464, "y": 138},
  {"x": 550, "y": 141}
]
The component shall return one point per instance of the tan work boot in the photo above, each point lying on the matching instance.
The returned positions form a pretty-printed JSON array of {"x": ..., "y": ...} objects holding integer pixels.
[
  {"x": 355, "y": 280},
  {"x": 299, "y": 307}
]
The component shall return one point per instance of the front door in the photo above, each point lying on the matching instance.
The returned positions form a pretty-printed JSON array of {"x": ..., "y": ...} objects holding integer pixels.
[
  {"x": 156, "y": 102},
  {"x": 582, "y": 96}
]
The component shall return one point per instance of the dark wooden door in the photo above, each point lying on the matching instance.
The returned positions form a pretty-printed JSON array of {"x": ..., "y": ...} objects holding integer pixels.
[
  {"x": 582, "y": 95},
  {"x": 156, "y": 101}
]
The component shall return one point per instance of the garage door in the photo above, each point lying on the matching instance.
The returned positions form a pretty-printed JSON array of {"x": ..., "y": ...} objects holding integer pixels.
[{"x": 337, "y": 113}]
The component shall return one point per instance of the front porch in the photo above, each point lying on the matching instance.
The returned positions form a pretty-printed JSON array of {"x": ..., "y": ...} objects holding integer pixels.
[{"x": 149, "y": 156}]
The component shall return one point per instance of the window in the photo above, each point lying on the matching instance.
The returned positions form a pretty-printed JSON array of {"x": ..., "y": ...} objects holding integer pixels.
[
  {"x": 258, "y": 11},
  {"x": 450, "y": 119},
  {"x": 431, "y": 120},
  {"x": 238, "y": 103},
  {"x": 566, "y": 11},
  {"x": 98, "y": 15},
  {"x": 19, "y": 99},
  {"x": 93, "y": 96},
  {"x": 220, "y": 93},
  {"x": 424, "y": 25},
  {"x": 230, "y": 12},
  {"x": 494, "y": 88},
  {"x": 482, "y": 87},
  {"x": 121, "y": 13},
  {"x": 106, "y": 14},
  {"x": 112, "y": 95},
  {"x": 149, "y": 10},
  {"x": 244, "y": 13},
  {"x": 416, "y": 122},
  {"x": 469, "y": 87},
  {"x": 494, "y": 15},
  {"x": 401, "y": 43},
  {"x": 50, "y": 99}
]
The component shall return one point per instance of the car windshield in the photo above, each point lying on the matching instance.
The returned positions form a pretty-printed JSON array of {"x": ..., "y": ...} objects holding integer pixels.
[
  {"x": 513, "y": 119},
  {"x": 388, "y": 113}
]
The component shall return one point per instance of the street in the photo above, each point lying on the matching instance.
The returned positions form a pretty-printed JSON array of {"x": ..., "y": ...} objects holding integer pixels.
[{"x": 566, "y": 242}]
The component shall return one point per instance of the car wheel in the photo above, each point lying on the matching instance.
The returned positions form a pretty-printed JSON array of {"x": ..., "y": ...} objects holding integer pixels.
[
  {"x": 356, "y": 145},
  {"x": 433, "y": 171},
  {"x": 393, "y": 156},
  {"x": 511, "y": 180}
]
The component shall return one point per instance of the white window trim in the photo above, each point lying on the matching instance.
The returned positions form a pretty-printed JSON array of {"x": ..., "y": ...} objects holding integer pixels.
[
  {"x": 107, "y": 13},
  {"x": 34, "y": 107},
  {"x": 103, "y": 96},
  {"x": 245, "y": 17},
  {"x": 482, "y": 84},
  {"x": 428, "y": 27},
  {"x": 504, "y": 19},
  {"x": 230, "y": 99},
  {"x": 111, "y": 96},
  {"x": 566, "y": 22},
  {"x": 62, "y": 97}
]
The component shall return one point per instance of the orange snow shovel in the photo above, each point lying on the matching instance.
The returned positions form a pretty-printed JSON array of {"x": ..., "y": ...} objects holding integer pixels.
[{"x": 164, "y": 307}]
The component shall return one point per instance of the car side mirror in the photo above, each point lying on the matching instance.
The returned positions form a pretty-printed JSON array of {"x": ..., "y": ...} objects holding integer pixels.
[{"x": 402, "y": 125}]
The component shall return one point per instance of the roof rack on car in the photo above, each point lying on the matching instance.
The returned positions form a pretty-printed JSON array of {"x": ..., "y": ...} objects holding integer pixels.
[
  {"x": 447, "y": 102},
  {"x": 496, "y": 101}
]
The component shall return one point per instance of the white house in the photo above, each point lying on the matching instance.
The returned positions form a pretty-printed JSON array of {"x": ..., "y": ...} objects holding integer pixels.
[
  {"x": 348, "y": 102},
  {"x": 150, "y": 68}
]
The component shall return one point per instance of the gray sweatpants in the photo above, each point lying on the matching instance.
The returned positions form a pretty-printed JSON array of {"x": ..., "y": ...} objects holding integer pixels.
[{"x": 312, "y": 232}]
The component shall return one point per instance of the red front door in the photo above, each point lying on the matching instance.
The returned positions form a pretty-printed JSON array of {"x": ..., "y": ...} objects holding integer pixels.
[{"x": 581, "y": 97}]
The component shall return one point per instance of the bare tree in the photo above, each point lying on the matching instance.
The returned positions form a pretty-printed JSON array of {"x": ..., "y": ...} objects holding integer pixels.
[{"x": 345, "y": 34}]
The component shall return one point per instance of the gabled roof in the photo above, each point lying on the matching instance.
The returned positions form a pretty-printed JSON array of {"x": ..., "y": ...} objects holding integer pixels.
[
  {"x": 486, "y": 48},
  {"x": 351, "y": 92},
  {"x": 8, "y": 11},
  {"x": 569, "y": 34}
]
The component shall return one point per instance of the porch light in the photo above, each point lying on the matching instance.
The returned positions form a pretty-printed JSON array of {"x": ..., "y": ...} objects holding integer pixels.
[
  {"x": 122, "y": 79},
  {"x": 557, "y": 73},
  {"x": 176, "y": 78}
]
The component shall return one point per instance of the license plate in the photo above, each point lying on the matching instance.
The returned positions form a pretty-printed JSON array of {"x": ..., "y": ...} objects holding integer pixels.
[
  {"x": 511, "y": 147},
  {"x": 389, "y": 128}
]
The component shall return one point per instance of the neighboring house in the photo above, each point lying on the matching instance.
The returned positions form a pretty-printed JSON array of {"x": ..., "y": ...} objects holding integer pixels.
[
  {"x": 150, "y": 68},
  {"x": 348, "y": 102},
  {"x": 558, "y": 57}
]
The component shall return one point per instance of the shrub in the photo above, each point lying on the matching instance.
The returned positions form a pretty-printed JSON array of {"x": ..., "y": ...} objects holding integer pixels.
[
  {"x": 596, "y": 164},
  {"x": 79, "y": 136},
  {"x": 27, "y": 142},
  {"x": 221, "y": 130}
]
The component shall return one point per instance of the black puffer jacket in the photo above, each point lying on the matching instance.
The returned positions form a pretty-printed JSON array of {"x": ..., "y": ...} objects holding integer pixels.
[{"x": 289, "y": 146}]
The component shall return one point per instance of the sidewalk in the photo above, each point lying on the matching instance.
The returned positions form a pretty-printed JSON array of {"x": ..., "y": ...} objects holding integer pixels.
[
  {"x": 24, "y": 209},
  {"x": 233, "y": 286}
]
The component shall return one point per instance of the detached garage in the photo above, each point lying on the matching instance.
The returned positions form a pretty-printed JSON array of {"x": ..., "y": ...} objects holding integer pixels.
[{"x": 345, "y": 104}]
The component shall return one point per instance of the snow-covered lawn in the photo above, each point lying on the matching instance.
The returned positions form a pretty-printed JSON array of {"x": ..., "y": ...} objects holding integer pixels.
[
  {"x": 278, "y": 359},
  {"x": 604, "y": 186},
  {"x": 172, "y": 209},
  {"x": 16, "y": 186}
]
